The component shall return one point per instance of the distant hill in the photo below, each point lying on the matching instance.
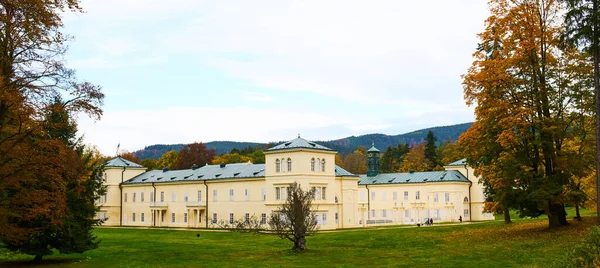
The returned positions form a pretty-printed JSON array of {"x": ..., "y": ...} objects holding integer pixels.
[{"x": 343, "y": 146}]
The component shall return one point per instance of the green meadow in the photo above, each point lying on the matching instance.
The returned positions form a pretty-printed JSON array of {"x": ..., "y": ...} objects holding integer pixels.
[{"x": 525, "y": 243}]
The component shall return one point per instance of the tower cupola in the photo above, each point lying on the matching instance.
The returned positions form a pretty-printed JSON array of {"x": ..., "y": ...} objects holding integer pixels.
[{"x": 373, "y": 161}]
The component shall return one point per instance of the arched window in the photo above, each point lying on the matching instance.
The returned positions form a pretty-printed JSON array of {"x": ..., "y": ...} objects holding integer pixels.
[
  {"x": 282, "y": 165},
  {"x": 312, "y": 165},
  {"x": 277, "y": 165},
  {"x": 466, "y": 199},
  {"x": 323, "y": 165},
  {"x": 289, "y": 165},
  {"x": 318, "y": 164}
]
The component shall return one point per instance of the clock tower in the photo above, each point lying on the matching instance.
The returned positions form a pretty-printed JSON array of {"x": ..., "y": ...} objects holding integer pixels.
[{"x": 372, "y": 161}]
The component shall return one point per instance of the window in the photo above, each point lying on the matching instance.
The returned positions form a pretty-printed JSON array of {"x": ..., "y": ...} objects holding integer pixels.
[
  {"x": 142, "y": 197},
  {"x": 264, "y": 194},
  {"x": 405, "y": 195},
  {"x": 336, "y": 218},
  {"x": 277, "y": 166},
  {"x": 323, "y": 193},
  {"x": 185, "y": 196},
  {"x": 318, "y": 193},
  {"x": 172, "y": 196},
  {"x": 230, "y": 194},
  {"x": 247, "y": 217},
  {"x": 282, "y": 165},
  {"x": 372, "y": 195},
  {"x": 362, "y": 196},
  {"x": 215, "y": 195},
  {"x": 323, "y": 165},
  {"x": 133, "y": 217},
  {"x": 418, "y": 195},
  {"x": 312, "y": 164},
  {"x": 447, "y": 197},
  {"x": 395, "y": 196},
  {"x": 133, "y": 198},
  {"x": 324, "y": 218},
  {"x": 318, "y": 164},
  {"x": 199, "y": 196},
  {"x": 103, "y": 199},
  {"x": 383, "y": 196},
  {"x": 277, "y": 194},
  {"x": 142, "y": 217},
  {"x": 162, "y": 217},
  {"x": 289, "y": 165},
  {"x": 125, "y": 198},
  {"x": 384, "y": 213},
  {"x": 437, "y": 214},
  {"x": 231, "y": 218},
  {"x": 263, "y": 218},
  {"x": 435, "y": 197},
  {"x": 185, "y": 217},
  {"x": 406, "y": 213},
  {"x": 172, "y": 217},
  {"x": 466, "y": 212},
  {"x": 214, "y": 220},
  {"x": 162, "y": 197},
  {"x": 373, "y": 213},
  {"x": 247, "y": 194},
  {"x": 466, "y": 199},
  {"x": 151, "y": 197},
  {"x": 284, "y": 193}
]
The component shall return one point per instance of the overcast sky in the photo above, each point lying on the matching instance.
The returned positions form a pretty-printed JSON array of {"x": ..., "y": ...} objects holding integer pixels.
[{"x": 181, "y": 71}]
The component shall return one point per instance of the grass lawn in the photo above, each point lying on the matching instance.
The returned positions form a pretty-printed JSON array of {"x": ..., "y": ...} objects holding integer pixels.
[{"x": 526, "y": 243}]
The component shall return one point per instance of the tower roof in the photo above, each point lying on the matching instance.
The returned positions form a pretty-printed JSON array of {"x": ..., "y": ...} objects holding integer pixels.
[
  {"x": 121, "y": 162},
  {"x": 373, "y": 149},
  {"x": 299, "y": 143}
]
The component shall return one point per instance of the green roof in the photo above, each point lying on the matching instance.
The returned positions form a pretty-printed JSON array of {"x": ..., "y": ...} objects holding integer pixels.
[
  {"x": 121, "y": 162},
  {"x": 413, "y": 177},
  {"x": 299, "y": 143},
  {"x": 373, "y": 149},
  {"x": 461, "y": 162}
]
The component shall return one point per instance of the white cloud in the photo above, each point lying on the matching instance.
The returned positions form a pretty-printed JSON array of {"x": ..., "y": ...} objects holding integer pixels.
[{"x": 255, "y": 96}]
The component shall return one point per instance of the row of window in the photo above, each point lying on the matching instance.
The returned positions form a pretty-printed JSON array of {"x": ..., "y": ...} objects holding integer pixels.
[
  {"x": 417, "y": 196},
  {"x": 285, "y": 165},
  {"x": 162, "y": 217},
  {"x": 199, "y": 197},
  {"x": 319, "y": 193},
  {"x": 436, "y": 215}
]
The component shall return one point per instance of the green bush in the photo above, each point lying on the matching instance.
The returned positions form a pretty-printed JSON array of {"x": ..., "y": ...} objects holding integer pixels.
[{"x": 586, "y": 254}]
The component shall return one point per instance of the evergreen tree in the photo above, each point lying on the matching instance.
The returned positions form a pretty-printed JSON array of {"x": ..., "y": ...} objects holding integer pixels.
[{"x": 431, "y": 150}]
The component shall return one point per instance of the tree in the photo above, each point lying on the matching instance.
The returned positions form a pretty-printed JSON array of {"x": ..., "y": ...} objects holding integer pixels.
[
  {"x": 450, "y": 151},
  {"x": 415, "y": 159},
  {"x": 393, "y": 157},
  {"x": 230, "y": 158},
  {"x": 194, "y": 153},
  {"x": 339, "y": 161},
  {"x": 583, "y": 29},
  {"x": 296, "y": 218},
  {"x": 527, "y": 85},
  {"x": 131, "y": 157},
  {"x": 168, "y": 160},
  {"x": 150, "y": 163},
  {"x": 357, "y": 162},
  {"x": 431, "y": 150}
]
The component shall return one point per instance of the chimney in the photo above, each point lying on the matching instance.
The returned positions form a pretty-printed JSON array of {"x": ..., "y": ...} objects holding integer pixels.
[
  {"x": 222, "y": 165},
  {"x": 412, "y": 171},
  {"x": 165, "y": 169}
]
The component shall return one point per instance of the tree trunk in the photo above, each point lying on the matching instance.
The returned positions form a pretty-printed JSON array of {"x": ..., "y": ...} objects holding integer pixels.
[
  {"x": 506, "y": 213},
  {"x": 38, "y": 258},
  {"x": 557, "y": 215},
  {"x": 577, "y": 215},
  {"x": 300, "y": 244},
  {"x": 595, "y": 48}
]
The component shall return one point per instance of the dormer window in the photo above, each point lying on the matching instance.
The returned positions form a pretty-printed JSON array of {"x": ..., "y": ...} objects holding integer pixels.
[
  {"x": 312, "y": 165},
  {"x": 277, "y": 166},
  {"x": 323, "y": 165},
  {"x": 289, "y": 165}
]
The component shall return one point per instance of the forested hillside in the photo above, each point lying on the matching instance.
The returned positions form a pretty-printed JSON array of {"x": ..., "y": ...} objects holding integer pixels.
[{"x": 343, "y": 146}]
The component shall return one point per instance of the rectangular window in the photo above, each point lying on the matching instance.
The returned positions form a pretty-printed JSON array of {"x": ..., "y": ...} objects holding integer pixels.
[
  {"x": 447, "y": 197},
  {"x": 277, "y": 194},
  {"x": 384, "y": 196},
  {"x": 323, "y": 193},
  {"x": 133, "y": 198},
  {"x": 142, "y": 217},
  {"x": 185, "y": 196},
  {"x": 162, "y": 197},
  {"x": 103, "y": 199},
  {"x": 172, "y": 196},
  {"x": 324, "y": 218},
  {"x": 125, "y": 198},
  {"x": 133, "y": 217},
  {"x": 372, "y": 213},
  {"x": 405, "y": 195},
  {"x": 437, "y": 214},
  {"x": 264, "y": 194},
  {"x": 214, "y": 220},
  {"x": 162, "y": 217},
  {"x": 151, "y": 197},
  {"x": 263, "y": 218},
  {"x": 215, "y": 195},
  {"x": 199, "y": 196},
  {"x": 418, "y": 195},
  {"x": 185, "y": 217},
  {"x": 372, "y": 195},
  {"x": 230, "y": 194},
  {"x": 362, "y": 196},
  {"x": 395, "y": 196},
  {"x": 247, "y": 194},
  {"x": 172, "y": 217},
  {"x": 406, "y": 213},
  {"x": 142, "y": 196},
  {"x": 231, "y": 218},
  {"x": 247, "y": 217},
  {"x": 384, "y": 213},
  {"x": 435, "y": 197},
  {"x": 284, "y": 193},
  {"x": 318, "y": 194},
  {"x": 336, "y": 218},
  {"x": 466, "y": 212}
]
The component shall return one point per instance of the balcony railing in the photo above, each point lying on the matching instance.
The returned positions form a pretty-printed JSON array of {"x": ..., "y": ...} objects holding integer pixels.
[
  {"x": 195, "y": 204},
  {"x": 158, "y": 204}
]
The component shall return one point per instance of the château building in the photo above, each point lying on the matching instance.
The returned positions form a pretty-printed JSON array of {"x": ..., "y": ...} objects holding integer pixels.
[{"x": 200, "y": 197}]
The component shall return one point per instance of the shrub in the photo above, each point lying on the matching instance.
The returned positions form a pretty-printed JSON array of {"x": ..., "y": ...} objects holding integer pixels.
[{"x": 586, "y": 254}]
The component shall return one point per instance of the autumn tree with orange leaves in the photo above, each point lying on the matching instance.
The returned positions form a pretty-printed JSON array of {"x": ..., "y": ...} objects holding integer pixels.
[{"x": 531, "y": 91}]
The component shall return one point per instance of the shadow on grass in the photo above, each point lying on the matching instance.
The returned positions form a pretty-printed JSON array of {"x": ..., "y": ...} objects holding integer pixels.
[{"x": 48, "y": 262}]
